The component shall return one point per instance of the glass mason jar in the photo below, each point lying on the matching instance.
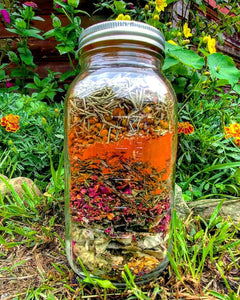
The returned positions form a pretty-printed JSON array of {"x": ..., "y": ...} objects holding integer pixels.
[{"x": 120, "y": 152}]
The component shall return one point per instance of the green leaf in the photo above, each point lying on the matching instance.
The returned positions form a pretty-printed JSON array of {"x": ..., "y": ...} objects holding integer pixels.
[
  {"x": 120, "y": 6},
  {"x": 64, "y": 49},
  {"x": 49, "y": 33},
  {"x": 237, "y": 176},
  {"x": 188, "y": 58},
  {"x": 67, "y": 74},
  {"x": 179, "y": 87},
  {"x": 171, "y": 1},
  {"x": 212, "y": 168},
  {"x": 223, "y": 67},
  {"x": 169, "y": 62},
  {"x": 73, "y": 3},
  {"x": 26, "y": 56},
  {"x": 106, "y": 284},
  {"x": 30, "y": 86},
  {"x": 215, "y": 213},
  {"x": 37, "y": 18},
  {"x": 13, "y": 57},
  {"x": 13, "y": 30},
  {"x": 236, "y": 88},
  {"x": 2, "y": 74},
  {"x": 33, "y": 33}
]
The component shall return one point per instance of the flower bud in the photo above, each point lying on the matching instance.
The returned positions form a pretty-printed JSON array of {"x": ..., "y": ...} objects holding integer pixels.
[
  {"x": 56, "y": 22},
  {"x": 20, "y": 23},
  {"x": 73, "y": 3},
  {"x": 185, "y": 42},
  {"x": 156, "y": 18},
  {"x": 146, "y": 8},
  {"x": 206, "y": 38},
  {"x": 56, "y": 112},
  {"x": 44, "y": 121}
]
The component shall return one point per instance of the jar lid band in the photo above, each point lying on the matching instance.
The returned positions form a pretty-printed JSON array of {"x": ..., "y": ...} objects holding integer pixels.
[{"x": 122, "y": 30}]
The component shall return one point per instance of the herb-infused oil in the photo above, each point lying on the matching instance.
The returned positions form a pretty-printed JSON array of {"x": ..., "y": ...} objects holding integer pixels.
[{"x": 120, "y": 151}]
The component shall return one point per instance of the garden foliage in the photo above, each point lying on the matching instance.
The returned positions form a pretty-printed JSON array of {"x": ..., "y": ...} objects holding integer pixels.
[{"x": 206, "y": 83}]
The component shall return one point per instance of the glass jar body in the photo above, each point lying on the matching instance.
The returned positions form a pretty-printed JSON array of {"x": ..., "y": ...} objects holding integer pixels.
[{"x": 120, "y": 151}]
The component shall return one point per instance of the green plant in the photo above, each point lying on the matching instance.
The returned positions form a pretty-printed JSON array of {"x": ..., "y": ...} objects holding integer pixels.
[
  {"x": 45, "y": 89},
  {"x": 131, "y": 285},
  {"x": 192, "y": 248},
  {"x": 26, "y": 150},
  {"x": 20, "y": 24},
  {"x": 67, "y": 36}
]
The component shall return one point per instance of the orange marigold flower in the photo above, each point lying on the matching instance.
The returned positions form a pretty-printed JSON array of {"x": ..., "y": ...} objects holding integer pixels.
[
  {"x": 237, "y": 141},
  {"x": 11, "y": 122},
  {"x": 232, "y": 131},
  {"x": 185, "y": 127}
]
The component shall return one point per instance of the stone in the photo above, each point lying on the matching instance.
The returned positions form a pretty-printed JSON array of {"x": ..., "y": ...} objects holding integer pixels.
[
  {"x": 17, "y": 183},
  {"x": 204, "y": 208},
  {"x": 183, "y": 211}
]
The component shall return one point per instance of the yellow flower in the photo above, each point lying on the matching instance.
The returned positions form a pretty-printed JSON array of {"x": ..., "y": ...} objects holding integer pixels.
[
  {"x": 211, "y": 44},
  {"x": 120, "y": 17},
  {"x": 127, "y": 18},
  {"x": 206, "y": 38},
  {"x": 172, "y": 42},
  {"x": 186, "y": 31},
  {"x": 160, "y": 5},
  {"x": 156, "y": 18},
  {"x": 44, "y": 121}
]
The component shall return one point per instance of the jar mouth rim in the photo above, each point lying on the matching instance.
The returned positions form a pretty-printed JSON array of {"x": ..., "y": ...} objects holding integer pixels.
[{"x": 122, "y": 30}]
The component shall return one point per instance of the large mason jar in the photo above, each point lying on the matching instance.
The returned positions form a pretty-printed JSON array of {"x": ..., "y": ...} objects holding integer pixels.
[{"x": 120, "y": 152}]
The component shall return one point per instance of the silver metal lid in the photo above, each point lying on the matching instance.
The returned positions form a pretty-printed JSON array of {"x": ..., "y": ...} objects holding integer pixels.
[{"x": 122, "y": 30}]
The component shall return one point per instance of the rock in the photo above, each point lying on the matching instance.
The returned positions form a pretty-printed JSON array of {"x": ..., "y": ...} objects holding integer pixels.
[
  {"x": 205, "y": 208},
  {"x": 2, "y": 184},
  {"x": 180, "y": 205},
  {"x": 17, "y": 183}
]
